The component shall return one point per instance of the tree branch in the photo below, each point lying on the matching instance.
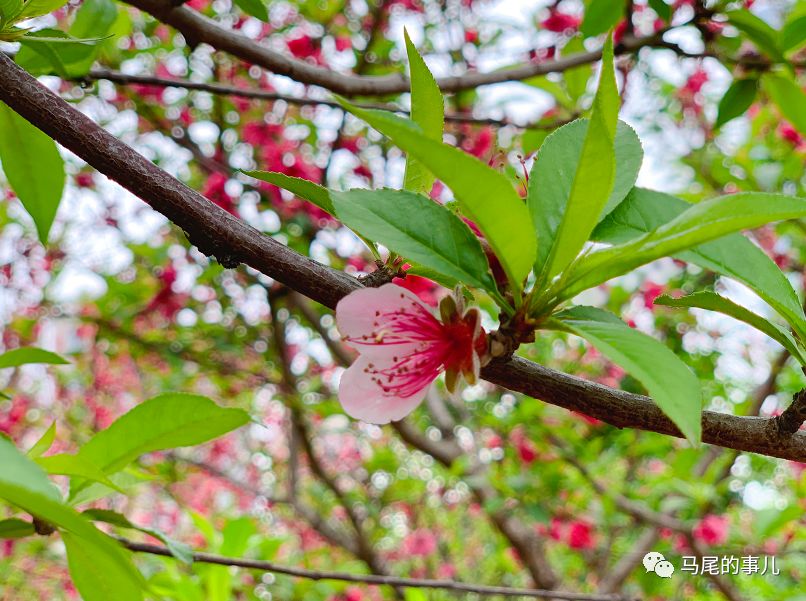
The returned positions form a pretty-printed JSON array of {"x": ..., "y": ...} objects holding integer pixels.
[
  {"x": 215, "y": 232},
  {"x": 199, "y": 29},
  {"x": 448, "y": 585},
  {"x": 257, "y": 94}
]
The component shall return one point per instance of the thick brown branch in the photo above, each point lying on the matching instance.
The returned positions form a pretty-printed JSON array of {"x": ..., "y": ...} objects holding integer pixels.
[
  {"x": 448, "y": 585},
  {"x": 218, "y": 233},
  {"x": 793, "y": 416},
  {"x": 627, "y": 410}
]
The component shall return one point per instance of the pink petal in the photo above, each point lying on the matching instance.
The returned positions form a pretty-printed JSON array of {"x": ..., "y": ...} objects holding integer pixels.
[
  {"x": 363, "y": 399},
  {"x": 356, "y": 315}
]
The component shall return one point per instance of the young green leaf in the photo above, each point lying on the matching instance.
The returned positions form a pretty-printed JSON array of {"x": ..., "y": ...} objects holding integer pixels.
[
  {"x": 44, "y": 443},
  {"x": 97, "y": 576},
  {"x": 72, "y": 465},
  {"x": 733, "y": 255},
  {"x": 16, "y": 528},
  {"x": 303, "y": 188},
  {"x": 85, "y": 492},
  {"x": 24, "y": 484},
  {"x": 418, "y": 228},
  {"x": 669, "y": 381},
  {"x": 485, "y": 195},
  {"x": 30, "y": 354},
  {"x": 601, "y": 15},
  {"x": 701, "y": 223},
  {"x": 594, "y": 176},
  {"x": 71, "y": 58},
  {"x": 164, "y": 422},
  {"x": 427, "y": 111},
  {"x": 793, "y": 34},
  {"x": 552, "y": 177},
  {"x": 236, "y": 534},
  {"x": 738, "y": 98},
  {"x": 714, "y": 302},
  {"x": 9, "y": 9},
  {"x": 758, "y": 31},
  {"x": 21, "y": 472},
  {"x": 179, "y": 550},
  {"x": 37, "y": 8},
  {"x": 255, "y": 8},
  {"x": 33, "y": 167},
  {"x": 664, "y": 10},
  {"x": 576, "y": 79},
  {"x": 789, "y": 97}
]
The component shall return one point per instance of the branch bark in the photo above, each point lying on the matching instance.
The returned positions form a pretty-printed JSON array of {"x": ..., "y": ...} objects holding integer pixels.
[
  {"x": 199, "y": 29},
  {"x": 448, "y": 585},
  {"x": 220, "y": 89},
  {"x": 217, "y": 233}
]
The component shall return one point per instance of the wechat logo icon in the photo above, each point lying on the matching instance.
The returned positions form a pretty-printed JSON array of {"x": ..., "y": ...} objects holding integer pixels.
[{"x": 656, "y": 562}]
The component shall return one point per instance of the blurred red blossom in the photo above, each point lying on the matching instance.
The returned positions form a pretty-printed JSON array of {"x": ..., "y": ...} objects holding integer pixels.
[{"x": 711, "y": 529}]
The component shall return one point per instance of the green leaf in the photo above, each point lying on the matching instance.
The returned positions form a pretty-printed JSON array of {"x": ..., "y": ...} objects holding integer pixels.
[
  {"x": 33, "y": 167},
  {"x": 576, "y": 79},
  {"x": 758, "y": 31},
  {"x": 44, "y": 443},
  {"x": 93, "y": 19},
  {"x": 83, "y": 493},
  {"x": 669, "y": 381},
  {"x": 179, "y": 550},
  {"x": 663, "y": 10},
  {"x": 72, "y": 56},
  {"x": 417, "y": 228},
  {"x": 236, "y": 535},
  {"x": 303, "y": 188},
  {"x": 714, "y": 302},
  {"x": 255, "y": 8},
  {"x": 701, "y": 223},
  {"x": 30, "y": 354},
  {"x": 16, "y": 528},
  {"x": 41, "y": 58},
  {"x": 601, "y": 15},
  {"x": 532, "y": 139},
  {"x": 793, "y": 34},
  {"x": 37, "y": 8},
  {"x": 97, "y": 576},
  {"x": 594, "y": 176},
  {"x": 552, "y": 177},
  {"x": 24, "y": 484},
  {"x": 9, "y": 9},
  {"x": 738, "y": 98},
  {"x": 791, "y": 100},
  {"x": 427, "y": 111},
  {"x": 553, "y": 89},
  {"x": 733, "y": 255},
  {"x": 485, "y": 195},
  {"x": 164, "y": 422},
  {"x": 72, "y": 465},
  {"x": 64, "y": 39},
  {"x": 21, "y": 472}
]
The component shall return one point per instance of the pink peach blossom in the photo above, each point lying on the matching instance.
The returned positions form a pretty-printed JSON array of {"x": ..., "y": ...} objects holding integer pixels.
[
  {"x": 403, "y": 347},
  {"x": 711, "y": 530},
  {"x": 420, "y": 543}
]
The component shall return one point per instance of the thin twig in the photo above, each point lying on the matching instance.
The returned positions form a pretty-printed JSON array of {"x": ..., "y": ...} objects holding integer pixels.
[
  {"x": 257, "y": 94},
  {"x": 423, "y": 583}
]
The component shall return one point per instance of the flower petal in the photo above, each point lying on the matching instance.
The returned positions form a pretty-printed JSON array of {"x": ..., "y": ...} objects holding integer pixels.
[
  {"x": 357, "y": 317},
  {"x": 363, "y": 399}
]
